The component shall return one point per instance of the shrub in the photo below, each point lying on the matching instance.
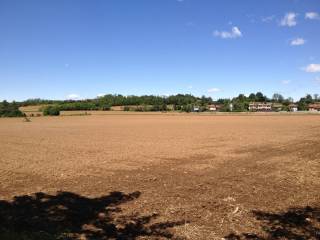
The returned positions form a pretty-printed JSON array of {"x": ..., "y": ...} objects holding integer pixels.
[
  {"x": 187, "y": 108},
  {"x": 51, "y": 111},
  {"x": 105, "y": 107},
  {"x": 203, "y": 108}
]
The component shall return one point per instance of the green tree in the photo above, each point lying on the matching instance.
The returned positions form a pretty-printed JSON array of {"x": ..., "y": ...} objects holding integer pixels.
[
  {"x": 10, "y": 109},
  {"x": 260, "y": 97},
  {"x": 277, "y": 97},
  {"x": 51, "y": 111},
  {"x": 252, "y": 97}
]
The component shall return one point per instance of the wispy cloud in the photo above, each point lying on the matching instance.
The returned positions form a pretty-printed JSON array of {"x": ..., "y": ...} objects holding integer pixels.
[
  {"x": 251, "y": 18},
  {"x": 190, "y": 24},
  {"x": 289, "y": 20},
  {"x": 312, "y": 68},
  {"x": 312, "y": 15},
  {"x": 317, "y": 80},
  {"x": 234, "y": 33},
  {"x": 73, "y": 96},
  {"x": 213, "y": 90},
  {"x": 268, "y": 18},
  {"x": 285, "y": 82},
  {"x": 297, "y": 42}
]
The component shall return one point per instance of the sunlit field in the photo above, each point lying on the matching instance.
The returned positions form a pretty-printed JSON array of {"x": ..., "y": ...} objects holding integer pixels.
[{"x": 140, "y": 176}]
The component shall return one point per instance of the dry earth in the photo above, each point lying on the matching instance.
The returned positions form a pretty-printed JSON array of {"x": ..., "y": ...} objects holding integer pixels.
[{"x": 162, "y": 176}]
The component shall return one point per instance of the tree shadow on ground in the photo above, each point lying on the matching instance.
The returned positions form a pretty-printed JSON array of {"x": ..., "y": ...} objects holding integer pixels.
[
  {"x": 68, "y": 215},
  {"x": 296, "y": 223}
]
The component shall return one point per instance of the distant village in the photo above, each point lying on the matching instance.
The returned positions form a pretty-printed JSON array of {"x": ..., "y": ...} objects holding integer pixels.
[
  {"x": 255, "y": 102},
  {"x": 264, "y": 107}
]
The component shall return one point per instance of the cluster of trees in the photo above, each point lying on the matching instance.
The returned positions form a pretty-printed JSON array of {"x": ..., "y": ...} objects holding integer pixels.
[
  {"x": 10, "y": 109},
  {"x": 38, "y": 101},
  {"x": 308, "y": 99},
  {"x": 176, "y": 100},
  {"x": 179, "y": 102},
  {"x": 51, "y": 110},
  {"x": 121, "y": 100},
  {"x": 183, "y": 102}
]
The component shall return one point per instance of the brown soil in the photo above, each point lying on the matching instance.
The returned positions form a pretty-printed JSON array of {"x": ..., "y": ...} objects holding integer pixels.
[{"x": 162, "y": 176}]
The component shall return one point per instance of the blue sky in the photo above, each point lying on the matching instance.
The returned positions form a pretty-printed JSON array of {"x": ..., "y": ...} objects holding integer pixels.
[{"x": 62, "y": 49}]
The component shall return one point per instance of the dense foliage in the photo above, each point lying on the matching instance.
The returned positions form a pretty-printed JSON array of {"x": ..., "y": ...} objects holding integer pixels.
[
  {"x": 179, "y": 99},
  {"x": 10, "y": 109},
  {"x": 53, "y": 110},
  {"x": 305, "y": 101},
  {"x": 38, "y": 101},
  {"x": 183, "y": 102}
]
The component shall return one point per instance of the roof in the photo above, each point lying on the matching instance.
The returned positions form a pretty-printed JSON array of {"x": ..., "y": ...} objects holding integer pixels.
[
  {"x": 314, "y": 105},
  {"x": 214, "y": 105},
  {"x": 293, "y": 105},
  {"x": 277, "y": 104},
  {"x": 256, "y": 103}
]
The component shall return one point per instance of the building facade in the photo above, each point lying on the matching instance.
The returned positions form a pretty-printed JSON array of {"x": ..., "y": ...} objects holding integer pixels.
[
  {"x": 260, "y": 107},
  {"x": 315, "y": 107},
  {"x": 214, "y": 107},
  {"x": 293, "y": 107}
]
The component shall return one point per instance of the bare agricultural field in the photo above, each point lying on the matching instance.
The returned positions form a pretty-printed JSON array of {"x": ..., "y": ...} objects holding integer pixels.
[{"x": 160, "y": 176}]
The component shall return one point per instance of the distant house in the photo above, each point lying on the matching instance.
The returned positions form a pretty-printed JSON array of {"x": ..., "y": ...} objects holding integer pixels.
[
  {"x": 214, "y": 107},
  {"x": 293, "y": 107},
  {"x": 260, "y": 107},
  {"x": 277, "y": 107},
  {"x": 196, "y": 109},
  {"x": 315, "y": 107}
]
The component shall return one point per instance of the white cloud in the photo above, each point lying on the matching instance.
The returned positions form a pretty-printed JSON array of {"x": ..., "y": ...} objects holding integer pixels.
[
  {"x": 234, "y": 33},
  {"x": 312, "y": 68},
  {"x": 297, "y": 42},
  {"x": 312, "y": 15},
  {"x": 285, "y": 82},
  {"x": 289, "y": 20},
  {"x": 189, "y": 86},
  {"x": 101, "y": 94},
  {"x": 268, "y": 18},
  {"x": 214, "y": 90},
  {"x": 73, "y": 96}
]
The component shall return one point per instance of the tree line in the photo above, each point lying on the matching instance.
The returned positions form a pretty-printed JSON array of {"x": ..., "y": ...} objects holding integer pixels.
[
  {"x": 178, "y": 102},
  {"x": 181, "y": 102}
]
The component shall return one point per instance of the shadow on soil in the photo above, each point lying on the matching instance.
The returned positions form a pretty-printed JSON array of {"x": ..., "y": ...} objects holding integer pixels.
[
  {"x": 70, "y": 216},
  {"x": 296, "y": 223}
]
